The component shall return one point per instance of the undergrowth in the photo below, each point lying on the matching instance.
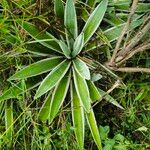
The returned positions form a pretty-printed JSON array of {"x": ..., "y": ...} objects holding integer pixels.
[{"x": 122, "y": 110}]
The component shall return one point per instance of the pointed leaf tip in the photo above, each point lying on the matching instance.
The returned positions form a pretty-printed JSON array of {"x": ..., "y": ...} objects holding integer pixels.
[
  {"x": 65, "y": 49},
  {"x": 70, "y": 18},
  {"x": 37, "y": 68},
  {"x": 94, "y": 129},
  {"x": 78, "y": 45},
  {"x": 94, "y": 20}
]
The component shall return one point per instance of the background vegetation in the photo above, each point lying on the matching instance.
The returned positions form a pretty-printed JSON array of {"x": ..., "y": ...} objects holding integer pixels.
[{"x": 119, "y": 52}]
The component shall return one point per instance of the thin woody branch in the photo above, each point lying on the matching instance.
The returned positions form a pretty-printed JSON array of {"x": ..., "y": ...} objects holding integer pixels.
[
  {"x": 135, "y": 40},
  {"x": 144, "y": 46},
  {"x": 133, "y": 8},
  {"x": 133, "y": 69}
]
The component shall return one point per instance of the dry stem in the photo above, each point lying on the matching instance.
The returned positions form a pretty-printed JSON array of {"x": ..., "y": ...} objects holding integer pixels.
[
  {"x": 133, "y": 8},
  {"x": 135, "y": 40},
  {"x": 142, "y": 47},
  {"x": 133, "y": 69}
]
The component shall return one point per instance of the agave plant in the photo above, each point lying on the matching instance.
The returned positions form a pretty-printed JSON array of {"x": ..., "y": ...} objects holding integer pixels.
[{"x": 68, "y": 71}]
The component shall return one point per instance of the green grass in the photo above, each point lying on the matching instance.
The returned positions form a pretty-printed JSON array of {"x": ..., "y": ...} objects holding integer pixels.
[{"x": 122, "y": 117}]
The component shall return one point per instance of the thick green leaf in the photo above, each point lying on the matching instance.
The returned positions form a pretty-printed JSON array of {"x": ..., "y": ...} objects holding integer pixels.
[
  {"x": 12, "y": 92},
  {"x": 94, "y": 20},
  {"x": 58, "y": 96},
  {"x": 41, "y": 36},
  {"x": 110, "y": 99},
  {"x": 94, "y": 93},
  {"x": 9, "y": 120},
  {"x": 94, "y": 129},
  {"x": 53, "y": 78},
  {"x": 82, "y": 90},
  {"x": 77, "y": 117},
  {"x": 59, "y": 8},
  {"x": 71, "y": 19},
  {"x": 38, "y": 49},
  {"x": 78, "y": 45},
  {"x": 65, "y": 49},
  {"x": 45, "y": 110},
  {"x": 113, "y": 33},
  {"x": 81, "y": 68},
  {"x": 37, "y": 68}
]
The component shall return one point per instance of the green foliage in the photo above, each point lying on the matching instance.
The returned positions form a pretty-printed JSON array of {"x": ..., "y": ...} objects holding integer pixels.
[
  {"x": 59, "y": 8},
  {"x": 94, "y": 94},
  {"x": 37, "y": 68},
  {"x": 94, "y": 20},
  {"x": 56, "y": 92},
  {"x": 117, "y": 142},
  {"x": 78, "y": 117},
  {"x": 58, "y": 97},
  {"x": 67, "y": 60},
  {"x": 93, "y": 127},
  {"x": 78, "y": 45},
  {"x": 81, "y": 68},
  {"x": 52, "y": 78},
  {"x": 9, "y": 121}
]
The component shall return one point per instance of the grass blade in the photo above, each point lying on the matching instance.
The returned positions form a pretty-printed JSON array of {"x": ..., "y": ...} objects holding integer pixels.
[
  {"x": 12, "y": 92},
  {"x": 9, "y": 120},
  {"x": 124, "y": 6},
  {"x": 58, "y": 96},
  {"x": 91, "y": 3},
  {"x": 38, "y": 49},
  {"x": 82, "y": 91},
  {"x": 77, "y": 117},
  {"x": 81, "y": 68},
  {"x": 114, "y": 32},
  {"x": 37, "y": 68},
  {"x": 94, "y": 129},
  {"x": 45, "y": 109},
  {"x": 53, "y": 78},
  {"x": 17, "y": 89},
  {"x": 94, "y": 20}
]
